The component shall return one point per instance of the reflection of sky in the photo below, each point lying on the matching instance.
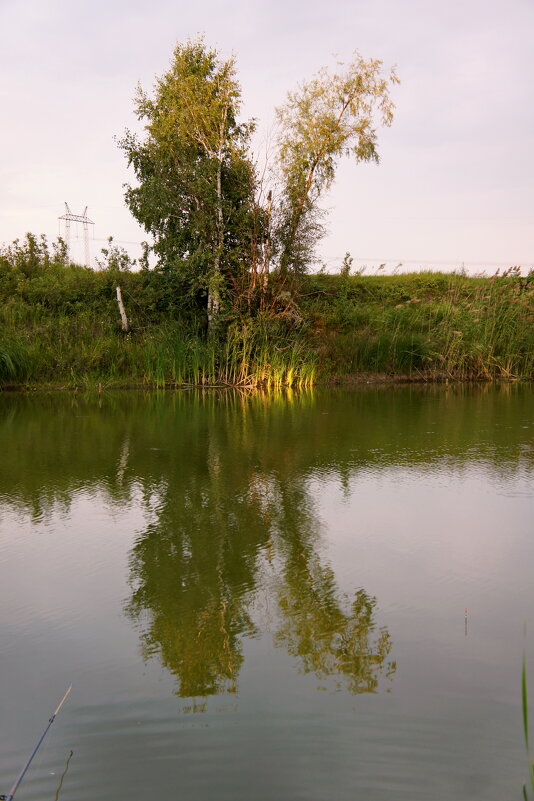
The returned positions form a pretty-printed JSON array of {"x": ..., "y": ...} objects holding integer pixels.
[
  {"x": 423, "y": 538},
  {"x": 427, "y": 539},
  {"x": 425, "y": 542},
  {"x": 455, "y": 182},
  {"x": 468, "y": 527},
  {"x": 440, "y": 543}
]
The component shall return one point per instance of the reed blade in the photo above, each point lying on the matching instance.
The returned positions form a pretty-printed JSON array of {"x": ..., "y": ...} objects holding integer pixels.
[{"x": 524, "y": 698}]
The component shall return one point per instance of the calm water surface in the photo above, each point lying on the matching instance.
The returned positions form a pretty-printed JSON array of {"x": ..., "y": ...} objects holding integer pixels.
[{"x": 264, "y": 598}]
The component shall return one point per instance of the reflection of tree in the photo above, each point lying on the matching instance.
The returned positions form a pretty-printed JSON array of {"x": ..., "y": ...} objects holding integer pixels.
[
  {"x": 330, "y": 642},
  {"x": 230, "y": 477},
  {"x": 81, "y": 438},
  {"x": 314, "y": 627},
  {"x": 197, "y": 569},
  {"x": 195, "y": 617},
  {"x": 191, "y": 571}
]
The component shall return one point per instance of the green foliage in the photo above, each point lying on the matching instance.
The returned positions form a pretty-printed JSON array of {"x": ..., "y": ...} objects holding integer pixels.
[
  {"x": 196, "y": 182},
  {"x": 12, "y": 361},
  {"x": 246, "y": 358},
  {"x": 114, "y": 258},
  {"x": 60, "y": 324},
  {"x": 346, "y": 265},
  {"x": 330, "y": 116},
  {"x": 425, "y": 325}
]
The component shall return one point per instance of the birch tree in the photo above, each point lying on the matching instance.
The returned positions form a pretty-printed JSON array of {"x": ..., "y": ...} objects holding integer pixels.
[
  {"x": 331, "y": 116},
  {"x": 195, "y": 179}
]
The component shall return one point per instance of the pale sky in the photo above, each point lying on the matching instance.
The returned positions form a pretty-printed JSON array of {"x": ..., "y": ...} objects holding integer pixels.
[{"x": 456, "y": 180}]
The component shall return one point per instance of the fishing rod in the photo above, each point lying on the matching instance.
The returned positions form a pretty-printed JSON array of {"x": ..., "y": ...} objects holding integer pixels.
[{"x": 21, "y": 775}]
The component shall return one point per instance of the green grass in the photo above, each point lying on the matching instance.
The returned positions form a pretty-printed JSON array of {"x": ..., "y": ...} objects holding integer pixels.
[
  {"x": 426, "y": 325},
  {"x": 60, "y": 325},
  {"x": 245, "y": 358}
]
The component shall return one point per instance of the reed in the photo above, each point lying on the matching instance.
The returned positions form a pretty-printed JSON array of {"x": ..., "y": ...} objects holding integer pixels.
[
  {"x": 244, "y": 358},
  {"x": 427, "y": 326},
  {"x": 13, "y": 360},
  {"x": 7, "y": 365},
  {"x": 60, "y": 325},
  {"x": 524, "y": 703}
]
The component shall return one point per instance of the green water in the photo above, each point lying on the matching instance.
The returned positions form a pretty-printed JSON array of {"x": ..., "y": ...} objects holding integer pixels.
[{"x": 264, "y": 598}]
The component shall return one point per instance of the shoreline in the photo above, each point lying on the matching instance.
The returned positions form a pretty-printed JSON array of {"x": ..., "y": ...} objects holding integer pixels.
[
  {"x": 60, "y": 330},
  {"x": 347, "y": 380}
]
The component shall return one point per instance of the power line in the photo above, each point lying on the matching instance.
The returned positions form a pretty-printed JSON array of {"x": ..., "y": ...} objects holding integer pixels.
[
  {"x": 69, "y": 217},
  {"x": 433, "y": 261},
  {"x": 118, "y": 241}
]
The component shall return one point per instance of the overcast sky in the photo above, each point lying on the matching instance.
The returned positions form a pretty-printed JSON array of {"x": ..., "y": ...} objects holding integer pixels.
[{"x": 456, "y": 178}]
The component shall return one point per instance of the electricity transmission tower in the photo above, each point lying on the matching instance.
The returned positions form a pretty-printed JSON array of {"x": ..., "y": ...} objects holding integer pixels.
[{"x": 77, "y": 218}]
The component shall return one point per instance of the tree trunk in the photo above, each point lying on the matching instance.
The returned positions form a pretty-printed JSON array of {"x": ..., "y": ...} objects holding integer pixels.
[
  {"x": 267, "y": 250},
  {"x": 214, "y": 291},
  {"x": 287, "y": 254},
  {"x": 124, "y": 320}
]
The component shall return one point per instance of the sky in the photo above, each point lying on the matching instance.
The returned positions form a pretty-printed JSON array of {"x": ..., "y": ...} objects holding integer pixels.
[{"x": 455, "y": 184}]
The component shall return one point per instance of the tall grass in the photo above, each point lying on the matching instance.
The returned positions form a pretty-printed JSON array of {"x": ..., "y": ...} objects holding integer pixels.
[
  {"x": 84, "y": 351},
  {"x": 7, "y": 364},
  {"x": 524, "y": 700},
  {"x": 245, "y": 358},
  {"x": 59, "y": 324},
  {"x": 13, "y": 360},
  {"x": 428, "y": 326}
]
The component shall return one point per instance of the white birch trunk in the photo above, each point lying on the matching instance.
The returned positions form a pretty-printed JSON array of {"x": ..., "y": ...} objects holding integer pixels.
[
  {"x": 124, "y": 324},
  {"x": 214, "y": 296}
]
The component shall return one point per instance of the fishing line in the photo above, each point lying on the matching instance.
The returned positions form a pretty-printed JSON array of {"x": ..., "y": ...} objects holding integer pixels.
[{"x": 60, "y": 785}]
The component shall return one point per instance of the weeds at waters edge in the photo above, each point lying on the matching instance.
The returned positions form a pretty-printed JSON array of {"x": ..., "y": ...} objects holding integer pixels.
[
  {"x": 7, "y": 366},
  {"x": 429, "y": 325},
  {"x": 13, "y": 360},
  {"x": 245, "y": 359},
  {"x": 524, "y": 699},
  {"x": 60, "y": 326}
]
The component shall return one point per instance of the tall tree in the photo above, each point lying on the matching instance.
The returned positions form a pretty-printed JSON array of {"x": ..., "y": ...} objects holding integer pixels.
[
  {"x": 195, "y": 191},
  {"x": 331, "y": 116}
]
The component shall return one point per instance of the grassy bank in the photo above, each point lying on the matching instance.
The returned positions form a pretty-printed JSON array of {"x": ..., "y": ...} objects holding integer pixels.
[
  {"x": 60, "y": 325},
  {"x": 432, "y": 325}
]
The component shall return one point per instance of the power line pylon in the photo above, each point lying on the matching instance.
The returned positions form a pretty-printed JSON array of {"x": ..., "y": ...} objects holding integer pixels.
[{"x": 77, "y": 218}]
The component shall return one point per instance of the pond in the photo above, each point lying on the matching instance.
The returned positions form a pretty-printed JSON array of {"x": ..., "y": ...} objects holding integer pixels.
[{"x": 297, "y": 596}]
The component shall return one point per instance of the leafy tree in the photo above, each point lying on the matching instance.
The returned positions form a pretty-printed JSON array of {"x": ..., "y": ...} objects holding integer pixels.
[
  {"x": 115, "y": 258},
  {"x": 196, "y": 182},
  {"x": 331, "y": 116},
  {"x": 195, "y": 191}
]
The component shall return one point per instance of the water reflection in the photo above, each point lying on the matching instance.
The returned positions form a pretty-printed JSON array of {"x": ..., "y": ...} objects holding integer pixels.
[
  {"x": 224, "y": 482},
  {"x": 200, "y": 565},
  {"x": 329, "y": 641}
]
